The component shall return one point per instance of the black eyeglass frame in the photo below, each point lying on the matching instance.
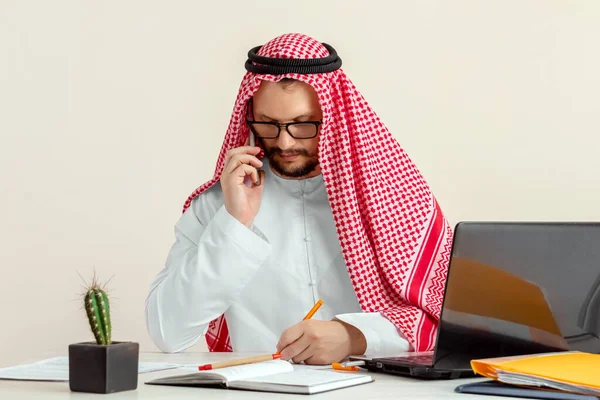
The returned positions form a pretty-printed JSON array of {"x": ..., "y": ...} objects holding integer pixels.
[{"x": 279, "y": 125}]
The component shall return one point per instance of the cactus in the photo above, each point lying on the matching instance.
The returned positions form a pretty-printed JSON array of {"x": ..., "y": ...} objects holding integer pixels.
[{"x": 97, "y": 308}]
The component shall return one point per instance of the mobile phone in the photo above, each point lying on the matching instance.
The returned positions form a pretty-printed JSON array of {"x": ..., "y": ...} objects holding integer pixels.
[{"x": 251, "y": 142}]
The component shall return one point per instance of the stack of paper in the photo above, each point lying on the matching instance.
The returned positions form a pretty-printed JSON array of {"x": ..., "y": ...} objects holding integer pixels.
[
  {"x": 570, "y": 371},
  {"x": 57, "y": 369}
]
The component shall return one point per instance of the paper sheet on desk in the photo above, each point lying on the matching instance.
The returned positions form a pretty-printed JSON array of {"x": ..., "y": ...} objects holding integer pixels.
[{"x": 57, "y": 369}]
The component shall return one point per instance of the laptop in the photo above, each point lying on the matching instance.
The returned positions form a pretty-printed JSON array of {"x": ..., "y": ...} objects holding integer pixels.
[{"x": 512, "y": 288}]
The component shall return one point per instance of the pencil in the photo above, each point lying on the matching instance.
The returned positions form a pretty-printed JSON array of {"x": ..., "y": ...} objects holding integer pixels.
[
  {"x": 242, "y": 361},
  {"x": 311, "y": 312}
]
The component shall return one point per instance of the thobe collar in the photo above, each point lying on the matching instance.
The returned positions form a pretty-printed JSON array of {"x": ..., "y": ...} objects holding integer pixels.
[{"x": 294, "y": 186}]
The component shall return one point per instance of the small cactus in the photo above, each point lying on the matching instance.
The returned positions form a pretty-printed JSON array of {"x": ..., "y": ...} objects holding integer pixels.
[{"x": 97, "y": 308}]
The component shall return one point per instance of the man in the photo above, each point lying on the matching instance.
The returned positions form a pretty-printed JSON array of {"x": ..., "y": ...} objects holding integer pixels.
[{"x": 325, "y": 206}]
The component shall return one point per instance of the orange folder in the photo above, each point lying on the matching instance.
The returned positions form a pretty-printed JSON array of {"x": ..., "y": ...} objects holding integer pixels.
[{"x": 570, "y": 371}]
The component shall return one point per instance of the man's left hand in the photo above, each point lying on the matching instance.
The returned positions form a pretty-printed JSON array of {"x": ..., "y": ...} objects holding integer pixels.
[{"x": 321, "y": 342}]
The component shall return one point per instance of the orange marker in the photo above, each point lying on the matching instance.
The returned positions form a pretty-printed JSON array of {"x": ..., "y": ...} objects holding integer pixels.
[
  {"x": 349, "y": 366},
  {"x": 311, "y": 312},
  {"x": 341, "y": 367}
]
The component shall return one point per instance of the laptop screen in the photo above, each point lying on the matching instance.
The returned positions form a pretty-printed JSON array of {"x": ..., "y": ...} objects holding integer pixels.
[{"x": 520, "y": 288}]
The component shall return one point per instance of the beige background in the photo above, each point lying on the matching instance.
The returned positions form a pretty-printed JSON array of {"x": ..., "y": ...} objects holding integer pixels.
[{"x": 112, "y": 112}]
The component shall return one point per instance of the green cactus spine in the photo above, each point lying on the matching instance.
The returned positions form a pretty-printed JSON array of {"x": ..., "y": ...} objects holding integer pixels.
[{"x": 97, "y": 308}]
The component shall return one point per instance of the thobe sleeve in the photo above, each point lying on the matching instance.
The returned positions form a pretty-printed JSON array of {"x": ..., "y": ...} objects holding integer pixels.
[
  {"x": 212, "y": 260},
  {"x": 381, "y": 334}
]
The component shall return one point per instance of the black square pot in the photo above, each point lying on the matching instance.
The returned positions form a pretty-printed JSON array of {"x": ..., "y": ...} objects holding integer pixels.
[{"x": 95, "y": 368}]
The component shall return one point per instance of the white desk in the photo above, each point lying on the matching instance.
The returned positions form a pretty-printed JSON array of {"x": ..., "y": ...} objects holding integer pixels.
[{"x": 384, "y": 387}]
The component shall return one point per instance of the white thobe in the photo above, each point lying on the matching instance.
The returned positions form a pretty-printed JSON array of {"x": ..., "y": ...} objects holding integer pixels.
[{"x": 263, "y": 279}]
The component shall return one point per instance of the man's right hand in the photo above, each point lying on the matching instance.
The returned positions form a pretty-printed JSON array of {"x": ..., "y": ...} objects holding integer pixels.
[{"x": 242, "y": 201}]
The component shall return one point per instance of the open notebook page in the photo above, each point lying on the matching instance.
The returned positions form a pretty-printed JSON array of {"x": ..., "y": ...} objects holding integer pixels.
[
  {"x": 306, "y": 377},
  {"x": 306, "y": 381},
  {"x": 238, "y": 372}
]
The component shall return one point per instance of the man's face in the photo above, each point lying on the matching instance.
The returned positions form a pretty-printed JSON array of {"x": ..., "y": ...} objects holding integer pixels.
[{"x": 296, "y": 102}]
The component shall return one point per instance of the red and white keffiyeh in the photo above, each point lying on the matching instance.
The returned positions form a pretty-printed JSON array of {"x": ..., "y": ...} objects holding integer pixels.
[{"x": 394, "y": 237}]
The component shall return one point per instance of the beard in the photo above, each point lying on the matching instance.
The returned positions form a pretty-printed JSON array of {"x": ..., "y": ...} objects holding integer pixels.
[{"x": 295, "y": 169}]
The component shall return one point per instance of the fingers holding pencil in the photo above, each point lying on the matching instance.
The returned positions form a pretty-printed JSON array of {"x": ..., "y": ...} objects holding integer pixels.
[
  {"x": 310, "y": 314},
  {"x": 316, "y": 342},
  {"x": 320, "y": 342}
]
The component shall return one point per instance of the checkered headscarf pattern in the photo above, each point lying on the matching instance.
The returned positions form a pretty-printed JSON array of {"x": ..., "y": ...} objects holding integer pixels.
[{"x": 395, "y": 239}]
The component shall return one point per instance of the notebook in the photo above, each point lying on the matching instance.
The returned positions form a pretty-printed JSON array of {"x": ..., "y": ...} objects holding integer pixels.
[
  {"x": 569, "y": 371},
  {"x": 270, "y": 376}
]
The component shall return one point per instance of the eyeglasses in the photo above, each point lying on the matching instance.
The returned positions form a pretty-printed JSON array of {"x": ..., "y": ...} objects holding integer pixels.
[{"x": 297, "y": 130}]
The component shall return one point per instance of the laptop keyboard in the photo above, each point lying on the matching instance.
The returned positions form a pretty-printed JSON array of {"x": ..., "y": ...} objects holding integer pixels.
[{"x": 422, "y": 359}]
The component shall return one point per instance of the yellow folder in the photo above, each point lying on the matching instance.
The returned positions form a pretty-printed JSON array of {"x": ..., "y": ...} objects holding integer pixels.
[{"x": 569, "y": 371}]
